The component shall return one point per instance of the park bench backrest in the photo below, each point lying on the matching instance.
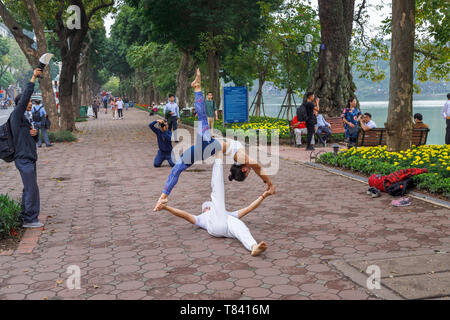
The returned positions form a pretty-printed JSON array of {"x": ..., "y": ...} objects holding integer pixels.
[
  {"x": 372, "y": 138},
  {"x": 377, "y": 137},
  {"x": 337, "y": 124},
  {"x": 419, "y": 136}
]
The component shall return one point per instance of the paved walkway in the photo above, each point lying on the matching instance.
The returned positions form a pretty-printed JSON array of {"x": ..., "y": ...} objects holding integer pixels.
[{"x": 97, "y": 198}]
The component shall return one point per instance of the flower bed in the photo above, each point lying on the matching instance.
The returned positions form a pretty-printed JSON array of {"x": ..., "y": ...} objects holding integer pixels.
[{"x": 371, "y": 160}]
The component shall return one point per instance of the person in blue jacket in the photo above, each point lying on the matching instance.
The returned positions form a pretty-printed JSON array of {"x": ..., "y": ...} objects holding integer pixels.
[{"x": 164, "y": 136}]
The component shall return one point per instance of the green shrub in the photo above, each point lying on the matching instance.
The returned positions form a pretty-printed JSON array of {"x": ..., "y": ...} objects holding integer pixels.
[
  {"x": 61, "y": 136},
  {"x": 9, "y": 216},
  {"x": 81, "y": 119}
]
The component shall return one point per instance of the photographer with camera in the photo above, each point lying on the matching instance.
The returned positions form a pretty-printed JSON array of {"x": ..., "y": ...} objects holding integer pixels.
[
  {"x": 164, "y": 136},
  {"x": 25, "y": 136}
]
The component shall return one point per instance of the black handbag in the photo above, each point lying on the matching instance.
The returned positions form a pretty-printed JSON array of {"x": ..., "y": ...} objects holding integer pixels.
[{"x": 48, "y": 123}]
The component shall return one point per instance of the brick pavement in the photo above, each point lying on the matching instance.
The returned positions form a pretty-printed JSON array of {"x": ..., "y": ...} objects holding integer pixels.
[{"x": 98, "y": 194}]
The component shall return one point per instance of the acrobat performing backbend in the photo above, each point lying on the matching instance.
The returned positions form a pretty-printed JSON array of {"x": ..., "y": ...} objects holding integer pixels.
[
  {"x": 218, "y": 221},
  {"x": 205, "y": 147}
]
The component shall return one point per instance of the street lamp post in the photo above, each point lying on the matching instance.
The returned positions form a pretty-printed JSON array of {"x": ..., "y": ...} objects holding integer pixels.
[{"x": 307, "y": 48}]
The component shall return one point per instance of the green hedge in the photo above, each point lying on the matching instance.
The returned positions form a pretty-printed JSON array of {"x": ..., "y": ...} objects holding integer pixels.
[
  {"x": 61, "y": 136},
  {"x": 9, "y": 216}
]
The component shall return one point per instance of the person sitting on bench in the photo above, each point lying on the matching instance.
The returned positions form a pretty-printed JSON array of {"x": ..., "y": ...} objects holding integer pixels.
[
  {"x": 323, "y": 128},
  {"x": 366, "y": 122}
]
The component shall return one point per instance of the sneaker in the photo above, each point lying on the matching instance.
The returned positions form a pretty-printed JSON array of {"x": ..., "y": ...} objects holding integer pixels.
[
  {"x": 310, "y": 149},
  {"x": 373, "y": 192},
  {"x": 33, "y": 225},
  {"x": 402, "y": 202},
  {"x": 50, "y": 145}
]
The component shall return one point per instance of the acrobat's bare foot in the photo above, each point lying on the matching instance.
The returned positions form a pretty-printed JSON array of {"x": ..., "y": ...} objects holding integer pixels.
[
  {"x": 198, "y": 80},
  {"x": 259, "y": 248}
]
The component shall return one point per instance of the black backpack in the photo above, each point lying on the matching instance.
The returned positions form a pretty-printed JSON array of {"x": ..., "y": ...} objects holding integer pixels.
[
  {"x": 400, "y": 188},
  {"x": 6, "y": 142},
  {"x": 302, "y": 114},
  {"x": 37, "y": 115}
]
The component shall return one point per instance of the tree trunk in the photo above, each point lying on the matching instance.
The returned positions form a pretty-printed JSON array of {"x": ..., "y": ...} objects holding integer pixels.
[
  {"x": 32, "y": 55},
  {"x": 259, "y": 96},
  {"x": 213, "y": 73},
  {"x": 185, "y": 71},
  {"x": 332, "y": 80},
  {"x": 48, "y": 97},
  {"x": 65, "y": 95},
  {"x": 399, "y": 121}
]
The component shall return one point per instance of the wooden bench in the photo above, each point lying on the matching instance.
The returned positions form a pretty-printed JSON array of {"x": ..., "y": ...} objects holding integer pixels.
[
  {"x": 336, "y": 123},
  {"x": 377, "y": 137}
]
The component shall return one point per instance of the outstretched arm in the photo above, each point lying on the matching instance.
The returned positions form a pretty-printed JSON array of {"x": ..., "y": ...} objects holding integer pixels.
[
  {"x": 180, "y": 213},
  {"x": 242, "y": 158},
  {"x": 255, "y": 204}
]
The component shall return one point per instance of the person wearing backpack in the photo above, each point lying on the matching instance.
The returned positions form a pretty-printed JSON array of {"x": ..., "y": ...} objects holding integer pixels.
[
  {"x": 24, "y": 138},
  {"x": 40, "y": 122}
]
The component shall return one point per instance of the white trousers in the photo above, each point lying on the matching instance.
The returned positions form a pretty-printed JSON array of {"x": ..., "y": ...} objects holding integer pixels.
[
  {"x": 221, "y": 223},
  {"x": 298, "y": 135}
]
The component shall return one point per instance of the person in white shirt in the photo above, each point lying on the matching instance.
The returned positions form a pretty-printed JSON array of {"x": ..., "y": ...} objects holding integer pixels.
[
  {"x": 172, "y": 113},
  {"x": 446, "y": 116},
  {"x": 366, "y": 122},
  {"x": 218, "y": 221},
  {"x": 120, "y": 107}
]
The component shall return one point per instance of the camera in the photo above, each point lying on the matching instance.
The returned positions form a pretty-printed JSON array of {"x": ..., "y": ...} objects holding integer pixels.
[{"x": 162, "y": 125}]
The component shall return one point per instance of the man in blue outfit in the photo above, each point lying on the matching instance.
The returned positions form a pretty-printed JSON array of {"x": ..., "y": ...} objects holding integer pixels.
[
  {"x": 40, "y": 123},
  {"x": 25, "y": 154},
  {"x": 164, "y": 136}
]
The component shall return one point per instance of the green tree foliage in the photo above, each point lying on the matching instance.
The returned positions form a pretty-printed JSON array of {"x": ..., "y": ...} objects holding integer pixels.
[
  {"x": 432, "y": 43},
  {"x": 293, "y": 23},
  {"x": 130, "y": 28},
  {"x": 158, "y": 63},
  {"x": 256, "y": 59},
  {"x": 112, "y": 86}
]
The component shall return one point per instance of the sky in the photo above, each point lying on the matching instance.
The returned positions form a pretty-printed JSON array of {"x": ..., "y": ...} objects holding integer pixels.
[{"x": 375, "y": 16}]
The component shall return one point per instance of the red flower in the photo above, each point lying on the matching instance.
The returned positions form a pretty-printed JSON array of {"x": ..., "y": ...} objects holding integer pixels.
[{"x": 14, "y": 233}]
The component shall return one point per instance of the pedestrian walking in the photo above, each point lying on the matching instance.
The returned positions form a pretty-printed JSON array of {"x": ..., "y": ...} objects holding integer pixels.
[
  {"x": 105, "y": 103},
  {"x": 126, "y": 103},
  {"x": 95, "y": 107},
  {"x": 119, "y": 104},
  {"x": 40, "y": 119},
  {"x": 114, "y": 108},
  {"x": 172, "y": 113}
]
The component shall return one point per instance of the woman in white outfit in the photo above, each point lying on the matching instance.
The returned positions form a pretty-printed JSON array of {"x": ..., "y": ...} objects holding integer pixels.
[{"x": 218, "y": 221}]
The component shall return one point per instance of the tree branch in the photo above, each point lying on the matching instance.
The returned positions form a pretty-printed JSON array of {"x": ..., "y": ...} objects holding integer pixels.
[
  {"x": 37, "y": 24},
  {"x": 100, "y": 6},
  {"x": 24, "y": 42}
]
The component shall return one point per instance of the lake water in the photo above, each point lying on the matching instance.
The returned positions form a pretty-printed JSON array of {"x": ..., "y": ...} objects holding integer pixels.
[{"x": 430, "y": 109}]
